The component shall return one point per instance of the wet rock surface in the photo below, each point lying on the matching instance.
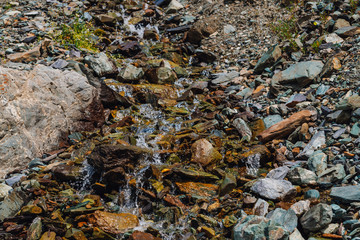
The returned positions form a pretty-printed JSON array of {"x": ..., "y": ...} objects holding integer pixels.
[{"x": 179, "y": 120}]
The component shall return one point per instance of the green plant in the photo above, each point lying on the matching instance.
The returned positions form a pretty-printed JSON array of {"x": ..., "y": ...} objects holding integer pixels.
[
  {"x": 316, "y": 45},
  {"x": 79, "y": 34},
  {"x": 285, "y": 29},
  {"x": 354, "y": 4}
]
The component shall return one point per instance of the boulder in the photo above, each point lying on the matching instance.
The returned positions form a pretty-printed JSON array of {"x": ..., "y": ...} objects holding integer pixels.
[
  {"x": 204, "y": 153},
  {"x": 285, "y": 218},
  {"x": 299, "y": 176},
  {"x": 39, "y": 108}
]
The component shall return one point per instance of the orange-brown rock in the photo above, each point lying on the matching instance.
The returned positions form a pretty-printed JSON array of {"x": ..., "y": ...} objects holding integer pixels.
[
  {"x": 137, "y": 235},
  {"x": 198, "y": 189},
  {"x": 287, "y": 126},
  {"x": 204, "y": 153},
  {"x": 114, "y": 223}
]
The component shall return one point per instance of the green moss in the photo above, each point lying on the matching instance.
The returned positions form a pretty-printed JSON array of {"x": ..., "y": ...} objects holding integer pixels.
[{"x": 79, "y": 34}]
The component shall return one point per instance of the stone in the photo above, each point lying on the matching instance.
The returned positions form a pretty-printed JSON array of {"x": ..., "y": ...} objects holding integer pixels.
[
  {"x": 333, "y": 38},
  {"x": 332, "y": 175},
  {"x": 260, "y": 208},
  {"x": 317, "y": 217},
  {"x": 272, "y": 120},
  {"x": 340, "y": 23},
  {"x": 287, "y": 126},
  {"x": 317, "y": 162},
  {"x": 48, "y": 236},
  {"x": 4, "y": 190},
  {"x": 312, "y": 194},
  {"x": 296, "y": 76},
  {"x": 355, "y": 130},
  {"x": 35, "y": 229},
  {"x": 273, "y": 189},
  {"x": 39, "y": 108},
  {"x": 301, "y": 207},
  {"x": 174, "y": 6},
  {"x": 278, "y": 173},
  {"x": 229, "y": 29},
  {"x": 202, "y": 29},
  {"x": 114, "y": 223},
  {"x": 12, "y": 203},
  {"x": 285, "y": 218},
  {"x": 224, "y": 78},
  {"x": 268, "y": 59},
  {"x": 317, "y": 141},
  {"x": 137, "y": 235},
  {"x": 296, "y": 235},
  {"x": 242, "y": 127},
  {"x": 31, "y": 55},
  {"x": 227, "y": 184},
  {"x": 161, "y": 75},
  {"x": 101, "y": 64},
  {"x": 204, "y": 153},
  {"x": 65, "y": 172},
  {"x": 348, "y": 31},
  {"x": 295, "y": 99},
  {"x": 346, "y": 194},
  {"x": 256, "y": 227},
  {"x": 106, "y": 19},
  {"x": 301, "y": 176},
  {"x": 130, "y": 74}
]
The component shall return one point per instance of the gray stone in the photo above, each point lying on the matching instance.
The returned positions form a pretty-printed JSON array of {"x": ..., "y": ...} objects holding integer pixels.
[
  {"x": 271, "y": 120},
  {"x": 12, "y": 204},
  {"x": 225, "y": 78},
  {"x": 333, "y": 38},
  {"x": 39, "y": 108},
  {"x": 243, "y": 129},
  {"x": 301, "y": 207},
  {"x": 229, "y": 29},
  {"x": 261, "y": 208},
  {"x": 101, "y": 64},
  {"x": 312, "y": 194},
  {"x": 346, "y": 194},
  {"x": 285, "y": 218},
  {"x": 317, "y": 218},
  {"x": 268, "y": 59},
  {"x": 273, "y": 189},
  {"x": 355, "y": 130},
  {"x": 316, "y": 142},
  {"x": 131, "y": 73},
  {"x": 278, "y": 173},
  {"x": 338, "y": 133},
  {"x": 317, "y": 162},
  {"x": 332, "y": 175},
  {"x": 296, "y": 76},
  {"x": 174, "y": 6},
  {"x": 300, "y": 176},
  {"x": 296, "y": 235},
  {"x": 4, "y": 191},
  {"x": 348, "y": 31},
  {"x": 256, "y": 227}
]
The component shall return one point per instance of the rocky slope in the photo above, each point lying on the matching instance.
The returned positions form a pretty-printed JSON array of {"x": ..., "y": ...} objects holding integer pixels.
[{"x": 180, "y": 120}]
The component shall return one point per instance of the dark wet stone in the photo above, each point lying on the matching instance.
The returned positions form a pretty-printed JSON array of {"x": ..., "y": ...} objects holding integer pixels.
[
  {"x": 12, "y": 203},
  {"x": 317, "y": 218},
  {"x": 268, "y": 59}
]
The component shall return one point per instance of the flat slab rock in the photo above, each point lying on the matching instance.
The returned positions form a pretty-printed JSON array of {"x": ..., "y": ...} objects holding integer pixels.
[
  {"x": 346, "y": 194},
  {"x": 273, "y": 189},
  {"x": 38, "y": 108}
]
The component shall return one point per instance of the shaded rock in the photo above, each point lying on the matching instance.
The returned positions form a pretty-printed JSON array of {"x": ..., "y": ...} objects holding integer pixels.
[
  {"x": 299, "y": 176},
  {"x": 348, "y": 31},
  {"x": 204, "y": 153},
  {"x": 255, "y": 227},
  {"x": 285, "y": 218},
  {"x": 112, "y": 161},
  {"x": 48, "y": 236},
  {"x": 65, "y": 172},
  {"x": 202, "y": 29},
  {"x": 195, "y": 175},
  {"x": 346, "y": 194},
  {"x": 137, "y": 235},
  {"x": 296, "y": 76},
  {"x": 31, "y": 55},
  {"x": 317, "y": 218},
  {"x": 227, "y": 184},
  {"x": 295, "y": 99},
  {"x": 273, "y": 189},
  {"x": 101, "y": 64},
  {"x": 287, "y": 126},
  {"x": 268, "y": 59},
  {"x": 39, "y": 109},
  {"x": 114, "y": 223}
]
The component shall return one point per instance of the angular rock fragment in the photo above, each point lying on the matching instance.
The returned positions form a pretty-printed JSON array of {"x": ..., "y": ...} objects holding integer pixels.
[
  {"x": 317, "y": 218},
  {"x": 273, "y": 189}
]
